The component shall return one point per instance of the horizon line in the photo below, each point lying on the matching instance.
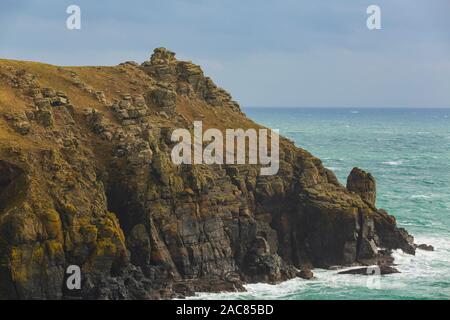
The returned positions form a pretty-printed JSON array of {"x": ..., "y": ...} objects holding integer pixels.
[{"x": 339, "y": 107}]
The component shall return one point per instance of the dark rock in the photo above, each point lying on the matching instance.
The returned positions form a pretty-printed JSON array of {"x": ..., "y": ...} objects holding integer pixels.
[
  {"x": 44, "y": 117},
  {"x": 139, "y": 245},
  {"x": 370, "y": 271},
  {"x": 164, "y": 97},
  {"x": 390, "y": 236},
  {"x": 184, "y": 78},
  {"x": 59, "y": 101},
  {"x": 129, "y": 63},
  {"x": 425, "y": 247},
  {"x": 97, "y": 188},
  {"x": 48, "y": 92},
  {"x": 227, "y": 283},
  {"x": 363, "y": 184}
]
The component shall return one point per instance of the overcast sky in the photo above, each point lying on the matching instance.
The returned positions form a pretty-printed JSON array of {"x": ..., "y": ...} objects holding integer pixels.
[{"x": 265, "y": 52}]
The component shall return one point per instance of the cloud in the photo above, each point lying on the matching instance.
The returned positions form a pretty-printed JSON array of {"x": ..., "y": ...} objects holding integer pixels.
[{"x": 290, "y": 52}]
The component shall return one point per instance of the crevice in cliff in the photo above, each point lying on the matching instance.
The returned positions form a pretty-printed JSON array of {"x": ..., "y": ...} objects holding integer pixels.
[
  {"x": 121, "y": 203},
  {"x": 13, "y": 185}
]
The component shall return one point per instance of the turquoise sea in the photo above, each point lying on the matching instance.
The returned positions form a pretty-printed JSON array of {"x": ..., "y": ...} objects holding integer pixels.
[{"x": 408, "y": 151}]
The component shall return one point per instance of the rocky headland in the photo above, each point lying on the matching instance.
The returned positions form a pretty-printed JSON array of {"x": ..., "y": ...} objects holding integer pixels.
[{"x": 86, "y": 179}]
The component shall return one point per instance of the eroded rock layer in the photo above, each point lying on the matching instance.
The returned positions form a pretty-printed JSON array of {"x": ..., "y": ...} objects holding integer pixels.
[{"x": 86, "y": 179}]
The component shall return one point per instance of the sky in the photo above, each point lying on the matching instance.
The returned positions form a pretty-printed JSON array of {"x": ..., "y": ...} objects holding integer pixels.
[{"x": 273, "y": 53}]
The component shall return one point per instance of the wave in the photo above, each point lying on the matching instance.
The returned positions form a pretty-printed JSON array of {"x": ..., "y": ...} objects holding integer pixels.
[{"x": 394, "y": 163}]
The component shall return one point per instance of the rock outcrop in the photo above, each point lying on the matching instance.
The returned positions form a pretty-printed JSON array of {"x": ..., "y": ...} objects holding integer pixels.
[
  {"x": 86, "y": 179},
  {"x": 363, "y": 184}
]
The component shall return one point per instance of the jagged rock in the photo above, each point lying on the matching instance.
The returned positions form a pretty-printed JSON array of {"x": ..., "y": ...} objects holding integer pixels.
[
  {"x": 129, "y": 63},
  {"x": 362, "y": 183},
  {"x": 390, "y": 236},
  {"x": 23, "y": 127},
  {"x": 162, "y": 55},
  {"x": 139, "y": 245},
  {"x": 164, "y": 114},
  {"x": 59, "y": 101},
  {"x": 306, "y": 274},
  {"x": 425, "y": 247}
]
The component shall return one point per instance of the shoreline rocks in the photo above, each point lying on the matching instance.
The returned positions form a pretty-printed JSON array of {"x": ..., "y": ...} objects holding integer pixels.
[
  {"x": 371, "y": 271},
  {"x": 306, "y": 274},
  {"x": 425, "y": 247}
]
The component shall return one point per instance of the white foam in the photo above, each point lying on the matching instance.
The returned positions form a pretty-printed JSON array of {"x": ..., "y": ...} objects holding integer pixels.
[
  {"x": 425, "y": 264},
  {"x": 420, "y": 196},
  {"x": 393, "y": 163}
]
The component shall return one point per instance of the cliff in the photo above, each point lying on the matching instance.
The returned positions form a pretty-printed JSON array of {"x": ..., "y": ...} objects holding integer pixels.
[{"x": 86, "y": 179}]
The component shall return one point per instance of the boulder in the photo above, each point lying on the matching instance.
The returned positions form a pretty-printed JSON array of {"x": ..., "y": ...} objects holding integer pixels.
[
  {"x": 305, "y": 274},
  {"x": 425, "y": 247}
]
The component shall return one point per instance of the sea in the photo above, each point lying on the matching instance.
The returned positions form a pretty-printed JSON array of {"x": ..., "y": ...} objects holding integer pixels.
[{"x": 408, "y": 152}]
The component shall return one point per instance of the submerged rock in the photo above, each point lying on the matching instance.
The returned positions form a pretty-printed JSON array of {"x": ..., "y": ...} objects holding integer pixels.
[
  {"x": 371, "y": 271},
  {"x": 363, "y": 184},
  {"x": 305, "y": 274}
]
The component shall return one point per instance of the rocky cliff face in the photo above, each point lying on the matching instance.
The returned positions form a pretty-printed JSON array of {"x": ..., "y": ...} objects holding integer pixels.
[{"x": 86, "y": 179}]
